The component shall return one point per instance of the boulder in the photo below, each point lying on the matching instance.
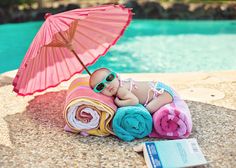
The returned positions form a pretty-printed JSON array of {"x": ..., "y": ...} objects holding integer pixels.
[
  {"x": 2, "y": 16},
  {"x": 137, "y": 9},
  {"x": 213, "y": 12},
  {"x": 197, "y": 11},
  {"x": 179, "y": 11},
  {"x": 154, "y": 10},
  {"x": 229, "y": 12},
  {"x": 72, "y": 6},
  {"x": 18, "y": 16},
  {"x": 39, "y": 15},
  {"x": 147, "y": 9}
]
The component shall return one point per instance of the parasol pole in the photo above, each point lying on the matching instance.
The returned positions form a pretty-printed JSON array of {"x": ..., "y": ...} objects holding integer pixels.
[
  {"x": 69, "y": 46},
  {"x": 73, "y": 51}
]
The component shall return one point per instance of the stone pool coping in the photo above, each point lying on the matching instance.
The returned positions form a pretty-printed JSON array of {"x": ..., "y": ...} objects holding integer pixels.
[
  {"x": 31, "y": 134},
  {"x": 192, "y": 81}
]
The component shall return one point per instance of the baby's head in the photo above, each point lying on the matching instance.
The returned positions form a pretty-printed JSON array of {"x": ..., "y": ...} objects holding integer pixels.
[{"x": 104, "y": 81}]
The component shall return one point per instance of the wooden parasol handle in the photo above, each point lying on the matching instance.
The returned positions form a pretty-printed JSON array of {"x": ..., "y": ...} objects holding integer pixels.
[{"x": 73, "y": 51}]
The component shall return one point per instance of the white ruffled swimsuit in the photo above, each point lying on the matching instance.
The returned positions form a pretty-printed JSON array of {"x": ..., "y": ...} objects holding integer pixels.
[{"x": 157, "y": 87}]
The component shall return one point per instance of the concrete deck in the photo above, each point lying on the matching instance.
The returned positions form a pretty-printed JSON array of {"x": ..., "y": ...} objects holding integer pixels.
[{"x": 32, "y": 135}]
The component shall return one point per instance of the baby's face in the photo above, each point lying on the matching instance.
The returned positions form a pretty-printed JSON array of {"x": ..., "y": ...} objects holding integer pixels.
[{"x": 111, "y": 88}]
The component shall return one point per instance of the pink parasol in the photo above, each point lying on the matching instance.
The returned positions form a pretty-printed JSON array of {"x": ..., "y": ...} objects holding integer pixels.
[{"x": 68, "y": 42}]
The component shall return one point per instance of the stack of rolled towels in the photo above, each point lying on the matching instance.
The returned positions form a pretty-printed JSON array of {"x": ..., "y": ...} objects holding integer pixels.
[{"x": 90, "y": 113}]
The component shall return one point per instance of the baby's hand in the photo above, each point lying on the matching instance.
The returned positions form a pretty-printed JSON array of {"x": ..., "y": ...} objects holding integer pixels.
[
  {"x": 125, "y": 98},
  {"x": 117, "y": 101}
]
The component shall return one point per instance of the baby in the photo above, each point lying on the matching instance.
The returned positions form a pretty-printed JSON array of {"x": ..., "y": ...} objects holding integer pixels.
[{"x": 151, "y": 95}]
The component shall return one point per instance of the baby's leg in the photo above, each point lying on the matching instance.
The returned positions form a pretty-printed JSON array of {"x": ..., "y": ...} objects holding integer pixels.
[{"x": 159, "y": 101}]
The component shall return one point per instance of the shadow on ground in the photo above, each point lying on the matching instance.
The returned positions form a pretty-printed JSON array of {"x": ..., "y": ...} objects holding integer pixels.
[
  {"x": 5, "y": 80},
  {"x": 39, "y": 139}
]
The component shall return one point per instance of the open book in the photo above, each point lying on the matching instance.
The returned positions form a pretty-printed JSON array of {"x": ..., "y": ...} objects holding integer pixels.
[{"x": 173, "y": 153}]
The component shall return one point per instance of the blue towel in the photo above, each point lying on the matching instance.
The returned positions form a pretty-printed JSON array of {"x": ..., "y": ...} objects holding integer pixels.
[{"x": 132, "y": 122}]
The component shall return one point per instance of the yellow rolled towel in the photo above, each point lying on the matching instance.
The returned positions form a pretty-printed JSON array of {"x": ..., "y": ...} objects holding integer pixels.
[{"x": 88, "y": 112}]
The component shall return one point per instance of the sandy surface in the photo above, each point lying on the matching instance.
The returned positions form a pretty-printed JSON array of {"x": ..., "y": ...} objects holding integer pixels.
[{"x": 32, "y": 135}]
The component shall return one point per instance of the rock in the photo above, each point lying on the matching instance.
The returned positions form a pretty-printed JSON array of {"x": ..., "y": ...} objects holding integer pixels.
[
  {"x": 179, "y": 11},
  {"x": 180, "y": 7},
  {"x": 2, "y": 16},
  {"x": 39, "y": 15},
  {"x": 198, "y": 12},
  {"x": 61, "y": 8},
  {"x": 29, "y": 14},
  {"x": 72, "y": 6},
  {"x": 18, "y": 16},
  {"x": 229, "y": 12},
  {"x": 154, "y": 10},
  {"x": 212, "y": 12},
  {"x": 137, "y": 9},
  {"x": 147, "y": 9}
]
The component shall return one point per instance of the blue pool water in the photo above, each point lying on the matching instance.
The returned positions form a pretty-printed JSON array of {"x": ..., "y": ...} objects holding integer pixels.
[{"x": 147, "y": 46}]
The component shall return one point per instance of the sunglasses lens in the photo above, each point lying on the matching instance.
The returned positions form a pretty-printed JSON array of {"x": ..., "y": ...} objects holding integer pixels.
[
  {"x": 110, "y": 78},
  {"x": 100, "y": 86}
]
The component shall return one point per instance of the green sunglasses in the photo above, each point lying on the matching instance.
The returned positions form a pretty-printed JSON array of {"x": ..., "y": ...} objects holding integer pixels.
[{"x": 101, "y": 86}]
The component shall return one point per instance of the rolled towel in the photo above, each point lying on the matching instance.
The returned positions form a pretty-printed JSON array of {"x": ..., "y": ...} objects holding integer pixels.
[
  {"x": 132, "y": 122},
  {"x": 172, "y": 121},
  {"x": 87, "y": 112}
]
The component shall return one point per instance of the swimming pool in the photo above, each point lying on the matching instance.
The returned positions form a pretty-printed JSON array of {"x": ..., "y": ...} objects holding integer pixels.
[{"x": 147, "y": 46}]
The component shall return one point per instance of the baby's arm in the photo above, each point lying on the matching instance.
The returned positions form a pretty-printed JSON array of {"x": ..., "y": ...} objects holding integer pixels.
[
  {"x": 159, "y": 101},
  {"x": 125, "y": 98}
]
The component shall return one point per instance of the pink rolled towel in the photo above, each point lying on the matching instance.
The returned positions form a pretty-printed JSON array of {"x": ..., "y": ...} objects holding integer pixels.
[
  {"x": 172, "y": 121},
  {"x": 87, "y": 112}
]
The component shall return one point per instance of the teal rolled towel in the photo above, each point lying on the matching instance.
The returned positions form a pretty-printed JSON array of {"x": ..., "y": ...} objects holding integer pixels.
[{"x": 132, "y": 122}]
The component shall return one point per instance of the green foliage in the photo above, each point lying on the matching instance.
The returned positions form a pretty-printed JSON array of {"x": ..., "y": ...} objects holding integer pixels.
[
  {"x": 200, "y": 1},
  {"x": 9, "y": 3}
]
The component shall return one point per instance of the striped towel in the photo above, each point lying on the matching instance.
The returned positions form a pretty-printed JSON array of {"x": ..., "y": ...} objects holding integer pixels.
[
  {"x": 173, "y": 120},
  {"x": 87, "y": 112}
]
